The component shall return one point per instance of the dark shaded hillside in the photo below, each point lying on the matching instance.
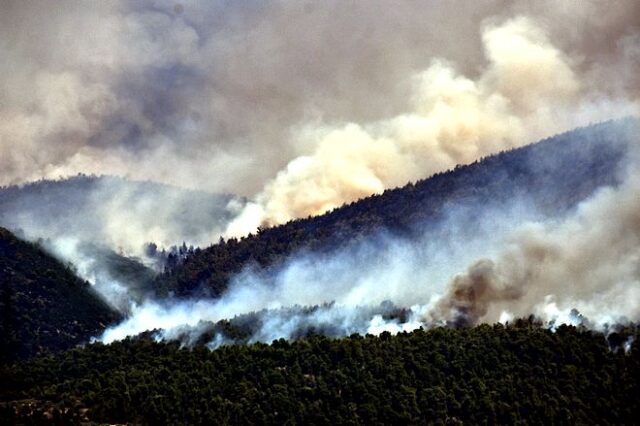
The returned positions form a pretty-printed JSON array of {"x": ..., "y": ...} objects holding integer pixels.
[
  {"x": 125, "y": 269},
  {"x": 553, "y": 175},
  {"x": 43, "y": 305},
  {"x": 518, "y": 374},
  {"x": 104, "y": 267}
]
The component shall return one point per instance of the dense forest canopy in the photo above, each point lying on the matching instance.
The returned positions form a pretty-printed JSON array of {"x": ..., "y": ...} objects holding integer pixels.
[{"x": 516, "y": 374}]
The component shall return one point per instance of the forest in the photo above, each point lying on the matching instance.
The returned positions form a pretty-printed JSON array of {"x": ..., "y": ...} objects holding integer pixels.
[
  {"x": 320, "y": 212},
  {"x": 552, "y": 175},
  {"x": 518, "y": 373},
  {"x": 45, "y": 307}
]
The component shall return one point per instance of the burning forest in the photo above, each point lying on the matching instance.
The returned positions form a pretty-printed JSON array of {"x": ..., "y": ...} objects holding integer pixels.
[{"x": 216, "y": 213}]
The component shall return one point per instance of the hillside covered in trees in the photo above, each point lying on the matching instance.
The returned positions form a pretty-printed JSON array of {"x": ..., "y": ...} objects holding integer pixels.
[
  {"x": 552, "y": 176},
  {"x": 516, "y": 374},
  {"x": 44, "y": 305}
]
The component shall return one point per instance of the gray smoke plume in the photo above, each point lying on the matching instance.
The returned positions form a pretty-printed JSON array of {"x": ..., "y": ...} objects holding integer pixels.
[
  {"x": 328, "y": 102},
  {"x": 578, "y": 267},
  {"x": 588, "y": 262},
  {"x": 353, "y": 280},
  {"x": 227, "y": 96}
]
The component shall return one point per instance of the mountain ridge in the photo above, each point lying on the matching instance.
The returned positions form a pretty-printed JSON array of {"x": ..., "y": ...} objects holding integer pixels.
[{"x": 555, "y": 174}]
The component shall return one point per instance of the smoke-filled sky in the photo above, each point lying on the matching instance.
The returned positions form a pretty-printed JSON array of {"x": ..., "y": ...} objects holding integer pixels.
[{"x": 301, "y": 106}]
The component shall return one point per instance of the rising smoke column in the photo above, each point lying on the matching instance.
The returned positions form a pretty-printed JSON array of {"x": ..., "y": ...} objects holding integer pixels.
[
  {"x": 223, "y": 96},
  {"x": 590, "y": 262},
  {"x": 510, "y": 262},
  {"x": 527, "y": 90}
]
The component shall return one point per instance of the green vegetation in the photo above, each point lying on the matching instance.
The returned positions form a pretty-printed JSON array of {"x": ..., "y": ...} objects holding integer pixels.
[
  {"x": 516, "y": 374},
  {"x": 519, "y": 374},
  {"x": 44, "y": 306},
  {"x": 553, "y": 175},
  {"x": 110, "y": 265}
]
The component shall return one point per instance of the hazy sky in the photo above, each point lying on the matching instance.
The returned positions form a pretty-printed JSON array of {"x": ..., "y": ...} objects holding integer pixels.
[{"x": 273, "y": 99}]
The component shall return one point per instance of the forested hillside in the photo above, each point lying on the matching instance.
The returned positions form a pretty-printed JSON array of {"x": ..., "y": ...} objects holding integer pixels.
[
  {"x": 518, "y": 374},
  {"x": 552, "y": 175},
  {"x": 44, "y": 306},
  {"x": 120, "y": 279}
]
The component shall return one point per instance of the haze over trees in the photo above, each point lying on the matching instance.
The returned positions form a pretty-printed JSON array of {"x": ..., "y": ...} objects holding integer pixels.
[
  {"x": 551, "y": 176},
  {"x": 45, "y": 307},
  {"x": 517, "y": 373},
  {"x": 114, "y": 211},
  {"x": 304, "y": 212}
]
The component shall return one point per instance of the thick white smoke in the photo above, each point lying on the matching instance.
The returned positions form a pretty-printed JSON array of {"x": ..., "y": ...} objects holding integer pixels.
[
  {"x": 515, "y": 263},
  {"x": 225, "y": 96},
  {"x": 589, "y": 262},
  {"x": 328, "y": 107},
  {"x": 526, "y": 91},
  {"x": 380, "y": 269}
]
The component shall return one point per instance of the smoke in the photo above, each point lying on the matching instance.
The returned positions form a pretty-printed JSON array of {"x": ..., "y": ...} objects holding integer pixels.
[
  {"x": 90, "y": 264},
  {"x": 103, "y": 225},
  {"x": 480, "y": 264},
  {"x": 327, "y": 102},
  {"x": 224, "y": 97},
  {"x": 589, "y": 262},
  {"x": 527, "y": 90},
  {"x": 357, "y": 282},
  {"x": 123, "y": 215}
]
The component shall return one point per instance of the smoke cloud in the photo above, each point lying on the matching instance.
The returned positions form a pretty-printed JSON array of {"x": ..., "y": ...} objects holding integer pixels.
[
  {"x": 224, "y": 97},
  {"x": 354, "y": 281},
  {"x": 121, "y": 214},
  {"x": 526, "y": 91},
  {"x": 579, "y": 267},
  {"x": 588, "y": 262},
  {"x": 328, "y": 102},
  {"x": 114, "y": 230}
]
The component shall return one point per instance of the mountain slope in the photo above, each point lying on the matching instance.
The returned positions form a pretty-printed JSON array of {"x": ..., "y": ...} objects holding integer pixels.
[
  {"x": 120, "y": 279},
  {"x": 44, "y": 306},
  {"x": 552, "y": 176}
]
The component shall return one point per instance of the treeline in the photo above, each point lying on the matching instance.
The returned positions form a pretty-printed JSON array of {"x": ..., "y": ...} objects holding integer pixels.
[
  {"x": 518, "y": 374},
  {"x": 554, "y": 175}
]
